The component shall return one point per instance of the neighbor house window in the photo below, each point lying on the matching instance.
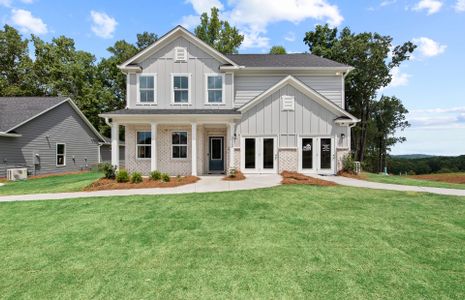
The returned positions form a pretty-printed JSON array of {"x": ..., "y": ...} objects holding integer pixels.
[
  {"x": 144, "y": 144},
  {"x": 61, "y": 154},
  {"x": 147, "y": 88},
  {"x": 181, "y": 89},
  {"x": 179, "y": 144},
  {"x": 215, "y": 88}
]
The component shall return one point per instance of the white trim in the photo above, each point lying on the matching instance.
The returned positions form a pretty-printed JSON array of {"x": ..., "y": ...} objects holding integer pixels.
[
  {"x": 155, "y": 90},
  {"x": 143, "y": 145},
  {"x": 4, "y": 134},
  {"x": 183, "y": 57},
  {"x": 216, "y": 137},
  {"x": 306, "y": 90},
  {"x": 178, "y": 30},
  {"x": 331, "y": 170},
  {"x": 189, "y": 88},
  {"x": 153, "y": 144},
  {"x": 259, "y": 168},
  {"x": 114, "y": 143},
  {"x": 299, "y": 153},
  {"x": 56, "y": 155},
  {"x": 287, "y": 103},
  {"x": 244, "y": 68},
  {"x": 187, "y": 143},
  {"x": 223, "y": 88}
]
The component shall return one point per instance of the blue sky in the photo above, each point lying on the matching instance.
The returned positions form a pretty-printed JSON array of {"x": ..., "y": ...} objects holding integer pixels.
[{"x": 431, "y": 85}]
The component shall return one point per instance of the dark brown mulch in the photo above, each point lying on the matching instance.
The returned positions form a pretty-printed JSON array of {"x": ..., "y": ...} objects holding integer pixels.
[
  {"x": 110, "y": 184},
  {"x": 298, "y": 178},
  {"x": 239, "y": 176}
]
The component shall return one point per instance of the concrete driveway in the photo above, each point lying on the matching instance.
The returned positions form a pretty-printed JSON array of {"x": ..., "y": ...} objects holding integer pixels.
[{"x": 205, "y": 184}]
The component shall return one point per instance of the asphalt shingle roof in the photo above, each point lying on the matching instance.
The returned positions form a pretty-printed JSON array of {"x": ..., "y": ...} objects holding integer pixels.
[
  {"x": 283, "y": 60},
  {"x": 15, "y": 110},
  {"x": 148, "y": 111}
]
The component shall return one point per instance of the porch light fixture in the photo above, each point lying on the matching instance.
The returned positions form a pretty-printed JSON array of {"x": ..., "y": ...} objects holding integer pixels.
[{"x": 342, "y": 136}]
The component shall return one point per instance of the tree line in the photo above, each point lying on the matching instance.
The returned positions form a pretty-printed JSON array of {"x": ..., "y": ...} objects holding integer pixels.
[
  {"x": 427, "y": 165},
  {"x": 57, "y": 68}
]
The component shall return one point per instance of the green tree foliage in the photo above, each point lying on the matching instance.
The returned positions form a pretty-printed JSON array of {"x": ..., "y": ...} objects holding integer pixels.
[
  {"x": 145, "y": 39},
  {"x": 373, "y": 57},
  {"x": 218, "y": 34},
  {"x": 435, "y": 164},
  {"x": 278, "y": 50}
]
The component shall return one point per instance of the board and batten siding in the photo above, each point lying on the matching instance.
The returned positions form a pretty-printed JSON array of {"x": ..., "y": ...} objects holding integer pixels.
[
  {"x": 199, "y": 63},
  {"x": 308, "y": 118},
  {"x": 59, "y": 125},
  {"x": 248, "y": 87}
]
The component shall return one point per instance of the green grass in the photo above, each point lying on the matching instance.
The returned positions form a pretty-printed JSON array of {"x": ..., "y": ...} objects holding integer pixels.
[
  {"x": 51, "y": 184},
  {"x": 404, "y": 180},
  {"x": 285, "y": 242}
]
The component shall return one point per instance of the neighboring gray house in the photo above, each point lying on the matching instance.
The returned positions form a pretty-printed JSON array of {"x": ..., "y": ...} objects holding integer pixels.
[
  {"x": 193, "y": 110},
  {"x": 46, "y": 135}
]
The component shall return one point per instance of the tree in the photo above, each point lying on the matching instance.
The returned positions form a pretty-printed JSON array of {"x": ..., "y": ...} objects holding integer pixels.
[
  {"x": 369, "y": 53},
  {"x": 16, "y": 76},
  {"x": 218, "y": 34},
  {"x": 278, "y": 50},
  {"x": 145, "y": 39}
]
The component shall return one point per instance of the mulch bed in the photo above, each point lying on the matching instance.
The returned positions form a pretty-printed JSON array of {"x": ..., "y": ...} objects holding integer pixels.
[
  {"x": 449, "y": 178},
  {"x": 239, "y": 176},
  {"x": 352, "y": 175},
  {"x": 298, "y": 178},
  {"x": 110, "y": 184}
]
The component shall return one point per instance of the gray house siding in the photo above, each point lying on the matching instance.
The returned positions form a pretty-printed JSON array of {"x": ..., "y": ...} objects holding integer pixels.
[
  {"x": 198, "y": 64},
  {"x": 248, "y": 87},
  {"x": 308, "y": 118},
  {"x": 59, "y": 125}
]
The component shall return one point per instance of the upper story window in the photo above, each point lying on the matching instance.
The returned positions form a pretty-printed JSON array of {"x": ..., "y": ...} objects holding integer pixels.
[
  {"x": 180, "y": 54},
  {"x": 287, "y": 102},
  {"x": 215, "y": 84},
  {"x": 181, "y": 92},
  {"x": 144, "y": 144},
  {"x": 147, "y": 84}
]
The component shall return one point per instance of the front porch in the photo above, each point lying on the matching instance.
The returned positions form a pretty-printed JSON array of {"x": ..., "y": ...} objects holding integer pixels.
[{"x": 193, "y": 147}]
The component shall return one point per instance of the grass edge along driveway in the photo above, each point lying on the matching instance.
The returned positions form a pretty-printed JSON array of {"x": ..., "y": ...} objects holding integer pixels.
[{"x": 283, "y": 242}]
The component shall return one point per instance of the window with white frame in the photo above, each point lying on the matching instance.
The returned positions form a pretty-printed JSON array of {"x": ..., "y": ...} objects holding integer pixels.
[
  {"x": 144, "y": 144},
  {"x": 288, "y": 102},
  {"x": 215, "y": 88},
  {"x": 181, "y": 89},
  {"x": 179, "y": 144},
  {"x": 60, "y": 154},
  {"x": 147, "y": 88},
  {"x": 180, "y": 54}
]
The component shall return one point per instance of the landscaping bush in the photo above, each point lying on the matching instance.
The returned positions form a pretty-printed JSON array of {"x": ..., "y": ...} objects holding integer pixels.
[
  {"x": 348, "y": 164},
  {"x": 108, "y": 170},
  {"x": 136, "y": 177},
  {"x": 155, "y": 175},
  {"x": 165, "y": 177},
  {"x": 122, "y": 176},
  {"x": 232, "y": 173}
]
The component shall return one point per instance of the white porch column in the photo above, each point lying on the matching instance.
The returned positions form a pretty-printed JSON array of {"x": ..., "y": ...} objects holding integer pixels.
[
  {"x": 194, "y": 149},
  {"x": 153, "y": 144},
  {"x": 231, "y": 145},
  {"x": 115, "y": 144}
]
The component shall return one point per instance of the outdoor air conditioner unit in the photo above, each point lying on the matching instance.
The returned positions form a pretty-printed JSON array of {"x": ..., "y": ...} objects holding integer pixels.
[{"x": 16, "y": 174}]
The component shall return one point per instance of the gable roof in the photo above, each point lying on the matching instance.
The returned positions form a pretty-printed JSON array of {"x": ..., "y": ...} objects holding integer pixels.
[
  {"x": 168, "y": 37},
  {"x": 17, "y": 111},
  {"x": 306, "y": 90},
  {"x": 295, "y": 60}
]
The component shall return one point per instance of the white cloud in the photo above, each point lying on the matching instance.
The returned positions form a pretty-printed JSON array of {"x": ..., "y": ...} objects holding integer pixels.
[
  {"x": 453, "y": 117},
  {"x": 27, "y": 22},
  {"x": 428, "y": 47},
  {"x": 27, "y": 1},
  {"x": 253, "y": 17},
  {"x": 398, "y": 79},
  {"x": 460, "y": 6},
  {"x": 102, "y": 24},
  {"x": 387, "y": 2},
  {"x": 431, "y": 6},
  {"x": 190, "y": 21},
  {"x": 290, "y": 36},
  {"x": 6, "y": 3}
]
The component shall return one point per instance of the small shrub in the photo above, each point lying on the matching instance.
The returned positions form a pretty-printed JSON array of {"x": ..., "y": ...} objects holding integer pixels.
[
  {"x": 232, "y": 173},
  {"x": 165, "y": 177},
  {"x": 136, "y": 177},
  {"x": 155, "y": 175},
  {"x": 122, "y": 176},
  {"x": 348, "y": 164},
  {"x": 108, "y": 170},
  {"x": 178, "y": 177}
]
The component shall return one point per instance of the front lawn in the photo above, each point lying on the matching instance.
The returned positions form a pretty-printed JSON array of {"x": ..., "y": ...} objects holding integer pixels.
[
  {"x": 50, "y": 184},
  {"x": 285, "y": 242},
  {"x": 406, "y": 180}
]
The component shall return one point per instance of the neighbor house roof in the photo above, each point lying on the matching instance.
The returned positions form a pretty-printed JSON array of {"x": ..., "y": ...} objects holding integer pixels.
[
  {"x": 16, "y": 111},
  {"x": 296, "y": 60}
]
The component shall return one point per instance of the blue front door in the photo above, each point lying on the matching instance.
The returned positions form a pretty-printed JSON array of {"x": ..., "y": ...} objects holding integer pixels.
[{"x": 216, "y": 154}]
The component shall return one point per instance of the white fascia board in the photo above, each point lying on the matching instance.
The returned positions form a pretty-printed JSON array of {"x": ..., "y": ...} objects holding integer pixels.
[{"x": 329, "y": 69}]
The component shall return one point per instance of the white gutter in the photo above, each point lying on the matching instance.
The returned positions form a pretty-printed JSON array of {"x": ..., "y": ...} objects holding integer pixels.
[{"x": 6, "y": 134}]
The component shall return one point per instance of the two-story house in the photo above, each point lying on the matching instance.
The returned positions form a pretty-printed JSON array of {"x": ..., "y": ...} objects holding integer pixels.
[{"x": 192, "y": 110}]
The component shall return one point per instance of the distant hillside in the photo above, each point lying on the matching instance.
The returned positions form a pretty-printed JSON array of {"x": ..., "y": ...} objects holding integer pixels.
[{"x": 412, "y": 156}]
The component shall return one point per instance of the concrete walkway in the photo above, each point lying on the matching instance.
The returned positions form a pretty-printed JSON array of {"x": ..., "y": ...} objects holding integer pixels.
[
  {"x": 392, "y": 187},
  {"x": 205, "y": 184}
]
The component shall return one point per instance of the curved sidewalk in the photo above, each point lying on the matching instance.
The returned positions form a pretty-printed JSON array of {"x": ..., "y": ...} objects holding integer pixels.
[
  {"x": 205, "y": 184},
  {"x": 387, "y": 186}
]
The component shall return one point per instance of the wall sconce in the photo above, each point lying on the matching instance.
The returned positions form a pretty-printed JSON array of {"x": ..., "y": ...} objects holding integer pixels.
[{"x": 342, "y": 136}]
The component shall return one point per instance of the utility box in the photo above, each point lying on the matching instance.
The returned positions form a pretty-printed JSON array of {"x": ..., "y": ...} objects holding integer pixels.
[{"x": 16, "y": 174}]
